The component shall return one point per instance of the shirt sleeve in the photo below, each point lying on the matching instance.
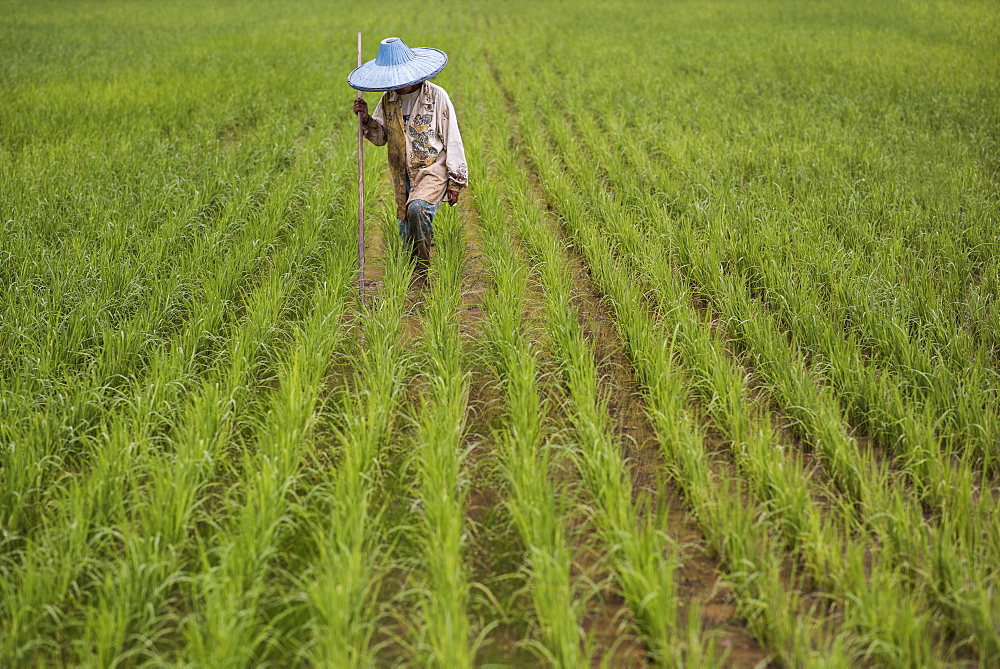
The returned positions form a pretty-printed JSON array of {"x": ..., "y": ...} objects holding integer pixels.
[
  {"x": 375, "y": 128},
  {"x": 458, "y": 171}
]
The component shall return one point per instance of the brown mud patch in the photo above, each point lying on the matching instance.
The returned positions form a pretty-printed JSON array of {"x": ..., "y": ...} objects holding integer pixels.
[{"x": 607, "y": 622}]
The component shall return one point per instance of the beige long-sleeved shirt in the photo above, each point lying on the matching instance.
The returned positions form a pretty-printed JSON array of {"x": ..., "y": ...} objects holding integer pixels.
[{"x": 426, "y": 151}]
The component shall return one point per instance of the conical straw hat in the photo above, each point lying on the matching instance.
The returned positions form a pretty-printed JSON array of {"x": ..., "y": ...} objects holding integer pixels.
[{"x": 397, "y": 66}]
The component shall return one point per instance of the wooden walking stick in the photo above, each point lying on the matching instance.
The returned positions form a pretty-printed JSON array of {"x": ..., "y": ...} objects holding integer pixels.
[{"x": 361, "y": 196}]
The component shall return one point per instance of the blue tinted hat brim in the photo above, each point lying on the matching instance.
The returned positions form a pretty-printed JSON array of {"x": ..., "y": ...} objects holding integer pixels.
[{"x": 372, "y": 77}]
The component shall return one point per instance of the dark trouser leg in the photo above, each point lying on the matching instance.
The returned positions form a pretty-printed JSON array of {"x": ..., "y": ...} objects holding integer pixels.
[
  {"x": 422, "y": 255},
  {"x": 419, "y": 232}
]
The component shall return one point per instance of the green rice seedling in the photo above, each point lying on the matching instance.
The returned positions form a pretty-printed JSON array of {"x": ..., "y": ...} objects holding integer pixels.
[
  {"x": 238, "y": 562},
  {"x": 936, "y": 403},
  {"x": 816, "y": 416},
  {"x": 811, "y": 240},
  {"x": 815, "y": 412},
  {"x": 885, "y": 230},
  {"x": 96, "y": 506},
  {"x": 782, "y": 485},
  {"x": 69, "y": 411},
  {"x": 443, "y": 628},
  {"x": 92, "y": 508},
  {"x": 342, "y": 582},
  {"x": 154, "y": 563},
  {"x": 730, "y": 508},
  {"x": 900, "y": 426},
  {"x": 640, "y": 555},
  {"x": 733, "y": 528},
  {"x": 524, "y": 451},
  {"x": 225, "y": 627},
  {"x": 902, "y": 509}
]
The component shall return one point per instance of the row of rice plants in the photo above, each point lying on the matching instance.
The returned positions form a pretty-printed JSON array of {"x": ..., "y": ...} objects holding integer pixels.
[
  {"x": 914, "y": 403},
  {"x": 232, "y": 595},
  {"x": 903, "y": 328},
  {"x": 161, "y": 549},
  {"x": 955, "y": 546},
  {"x": 871, "y": 397},
  {"x": 896, "y": 261},
  {"x": 642, "y": 557},
  {"x": 120, "y": 186},
  {"x": 954, "y": 542},
  {"x": 892, "y": 236},
  {"x": 730, "y": 527},
  {"x": 524, "y": 448},
  {"x": 152, "y": 563},
  {"x": 875, "y": 399},
  {"x": 814, "y": 411},
  {"x": 342, "y": 580},
  {"x": 77, "y": 542},
  {"x": 935, "y": 396},
  {"x": 52, "y": 406},
  {"x": 957, "y": 551},
  {"x": 766, "y": 591},
  {"x": 939, "y": 453},
  {"x": 906, "y": 325},
  {"x": 70, "y": 295},
  {"x": 803, "y": 516},
  {"x": 441, "y": 634}
]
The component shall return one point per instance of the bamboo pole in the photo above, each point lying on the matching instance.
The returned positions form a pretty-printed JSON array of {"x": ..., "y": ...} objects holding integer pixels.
[{"x": 361, "y": 196}]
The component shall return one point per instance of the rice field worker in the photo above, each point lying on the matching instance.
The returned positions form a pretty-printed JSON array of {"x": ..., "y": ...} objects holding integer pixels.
[{"x": 416, "y": 119}]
